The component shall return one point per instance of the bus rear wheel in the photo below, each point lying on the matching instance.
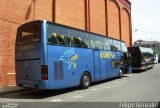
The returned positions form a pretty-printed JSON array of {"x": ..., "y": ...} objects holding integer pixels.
[{"x": 85, "y": 81}]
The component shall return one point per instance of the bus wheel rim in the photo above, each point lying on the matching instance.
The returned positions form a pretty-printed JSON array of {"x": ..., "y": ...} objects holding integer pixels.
[
  {"x": 86, "y": 80},
  {"x": 121, "y": 72}
]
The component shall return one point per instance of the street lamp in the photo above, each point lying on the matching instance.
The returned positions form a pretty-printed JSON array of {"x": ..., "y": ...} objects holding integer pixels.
[
  {"x": 132, "y": 34},
  {"x": 135, "y": 30}
]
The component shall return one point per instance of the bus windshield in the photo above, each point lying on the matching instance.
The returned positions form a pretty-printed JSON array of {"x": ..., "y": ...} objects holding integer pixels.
[
  {"x": 29, "y": 33},
  {"x": 28, "y": 45}
]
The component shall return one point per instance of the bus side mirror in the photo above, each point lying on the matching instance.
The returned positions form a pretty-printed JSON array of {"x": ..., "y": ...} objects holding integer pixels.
[{"x": 125, "y": 55}]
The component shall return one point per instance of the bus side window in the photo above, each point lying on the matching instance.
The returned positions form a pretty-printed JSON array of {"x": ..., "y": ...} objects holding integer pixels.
[
  {"x": 67, "y": 40},
  {"x": 77, "y": 42},
  {"x": 84, "y": 45},
  {"x": 106, "y": 44},
  {"x": 61, "y": 40},
  {"x": 123, "y": 47},
  {"x": 80, "y": 39},
  {"x": 91, "y": 44},
  {"x": 96, "y": 42},
  {"x": 53, "y": 39},
  {"x": 97, "y": 45},
  {"x": 112, "y": 48},
  {"x": 58, "y": 35},
  {"x": 116, "y": 45},
  {"x": 110, "y": 42}
]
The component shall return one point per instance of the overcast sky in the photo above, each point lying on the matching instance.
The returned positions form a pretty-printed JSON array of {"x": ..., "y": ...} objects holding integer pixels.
[{"x": 146, "y": 19}]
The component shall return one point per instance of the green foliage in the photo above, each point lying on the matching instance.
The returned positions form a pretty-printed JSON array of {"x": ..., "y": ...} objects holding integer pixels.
[{"x": 156, "y": 51}]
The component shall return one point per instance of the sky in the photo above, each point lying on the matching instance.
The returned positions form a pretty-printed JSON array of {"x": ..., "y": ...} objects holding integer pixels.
[{"x": 145, "y": 20}]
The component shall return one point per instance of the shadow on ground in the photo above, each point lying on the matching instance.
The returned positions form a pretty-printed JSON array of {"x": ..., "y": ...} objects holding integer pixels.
[
  {"x": 41, "y": 94},
  {"x": 158, "y": 106},
  {"x": 140, "y": 71}
]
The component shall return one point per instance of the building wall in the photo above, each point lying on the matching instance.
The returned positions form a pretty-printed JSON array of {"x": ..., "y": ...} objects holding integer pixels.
[
  {"x": 125, "y": 26},
  {"x": 70, "y": 12},
  {"x": 97, "y": 17},
  {"x": 107, "y": 17},
  {"x": 12, "y": 14},
  {"x": 113, "y": 18}
]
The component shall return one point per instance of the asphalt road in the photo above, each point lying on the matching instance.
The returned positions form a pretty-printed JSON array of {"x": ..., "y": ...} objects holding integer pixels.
[{"x": 135, "y": 87}]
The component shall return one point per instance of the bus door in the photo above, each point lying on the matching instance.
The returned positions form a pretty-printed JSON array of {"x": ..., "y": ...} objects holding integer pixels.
[
  {"x": 105, "y": 64},
  {"x": 96, "y": 61},
  {"x": 126, "y": 59},
  {"x": 96, "y": 44},
  {"x": 109, "y": 65},
  {"x": 115, "y": 61},
  {"x": 129, "y": 66}
]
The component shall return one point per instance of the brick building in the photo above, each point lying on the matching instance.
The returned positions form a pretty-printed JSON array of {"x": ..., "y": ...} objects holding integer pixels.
[{"x": 108, "y": 17}]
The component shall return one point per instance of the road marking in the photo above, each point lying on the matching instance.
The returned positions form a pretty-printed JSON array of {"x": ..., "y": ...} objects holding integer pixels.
[
  {"x": 56, "y": 100},
  {"x": 130, "y": 74},
  {"x": 107, "y": 87},
  {"x": 94, "y": 89},
  {"x": 78, "y": 96}
]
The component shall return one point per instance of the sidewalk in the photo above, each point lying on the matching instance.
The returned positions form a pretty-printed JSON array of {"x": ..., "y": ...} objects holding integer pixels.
[{"x": 5, "y": 90}]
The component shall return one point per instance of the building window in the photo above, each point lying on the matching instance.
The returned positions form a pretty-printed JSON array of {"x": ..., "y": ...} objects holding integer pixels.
[{"x": 154, "y": 46}]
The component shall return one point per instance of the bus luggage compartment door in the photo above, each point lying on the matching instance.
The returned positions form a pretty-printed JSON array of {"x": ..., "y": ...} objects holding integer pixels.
[{"x": 28, "y": 70}]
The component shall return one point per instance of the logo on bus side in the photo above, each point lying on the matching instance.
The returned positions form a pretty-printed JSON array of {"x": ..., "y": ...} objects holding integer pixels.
[
  {"x": 70, "y": 57},
  {"x": 107, "y": 55}
]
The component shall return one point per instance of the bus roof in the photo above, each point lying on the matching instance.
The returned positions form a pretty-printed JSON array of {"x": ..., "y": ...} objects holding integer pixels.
[{"x": 143, "y": 49}]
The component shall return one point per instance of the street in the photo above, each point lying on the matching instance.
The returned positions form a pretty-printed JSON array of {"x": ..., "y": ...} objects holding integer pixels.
[{"x": 136, "y": 87}]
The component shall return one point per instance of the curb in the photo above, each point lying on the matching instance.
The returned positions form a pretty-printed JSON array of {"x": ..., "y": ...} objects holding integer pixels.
[{"x": 12, "y": 89}]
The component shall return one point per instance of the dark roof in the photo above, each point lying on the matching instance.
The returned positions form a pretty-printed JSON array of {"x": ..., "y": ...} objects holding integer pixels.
[{"x": 142, "y": 42}]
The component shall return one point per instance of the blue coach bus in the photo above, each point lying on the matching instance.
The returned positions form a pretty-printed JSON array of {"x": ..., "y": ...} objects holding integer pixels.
[{"x": 54, "y": 56}]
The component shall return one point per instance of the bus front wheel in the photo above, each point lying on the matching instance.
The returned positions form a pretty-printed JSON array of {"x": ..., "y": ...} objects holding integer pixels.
[
  {"x": 121, "y": 72},
  {"x": 146, "y": 68},
  {"x": 85, "y": 80}
]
